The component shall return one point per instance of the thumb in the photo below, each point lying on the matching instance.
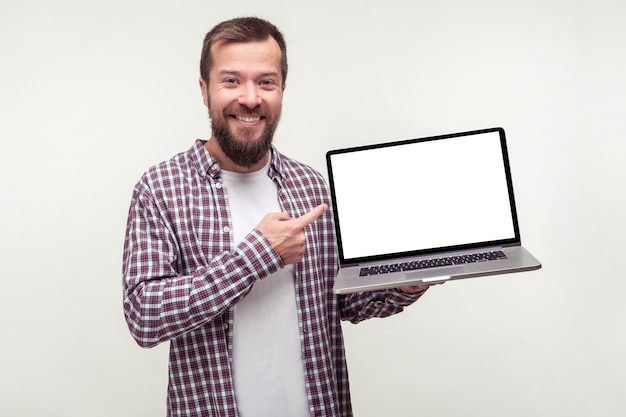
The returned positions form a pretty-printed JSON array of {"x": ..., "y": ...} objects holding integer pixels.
[{"x": 311, "y": 216}]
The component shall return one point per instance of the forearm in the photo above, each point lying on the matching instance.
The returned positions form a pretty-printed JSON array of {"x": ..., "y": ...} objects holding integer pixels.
[
  {"x": 362, "y": 306},
  {"x": 160, "y": 308}
]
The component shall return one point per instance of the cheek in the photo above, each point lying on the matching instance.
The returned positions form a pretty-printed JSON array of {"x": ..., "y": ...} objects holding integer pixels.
[
  {"x": 214, "y": 102},
  {"x": 217, "y": 97},
  {"x": 275, "y": 104}
]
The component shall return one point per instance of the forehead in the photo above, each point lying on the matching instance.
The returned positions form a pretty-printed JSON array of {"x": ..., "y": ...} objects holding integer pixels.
[{"x": 264, "y": 56}]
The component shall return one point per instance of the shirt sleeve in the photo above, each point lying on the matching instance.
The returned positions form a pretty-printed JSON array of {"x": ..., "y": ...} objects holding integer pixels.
[
  {"x": 362, "y": 306},
  {"x": 160, "y": 303}
]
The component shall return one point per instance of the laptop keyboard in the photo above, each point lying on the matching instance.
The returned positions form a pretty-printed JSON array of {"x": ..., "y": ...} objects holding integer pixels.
[{"x": 432, "y": 263}]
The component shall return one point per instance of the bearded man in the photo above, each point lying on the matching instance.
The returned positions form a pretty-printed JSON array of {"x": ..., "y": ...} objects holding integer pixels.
[{"x": 230, "y": 253}]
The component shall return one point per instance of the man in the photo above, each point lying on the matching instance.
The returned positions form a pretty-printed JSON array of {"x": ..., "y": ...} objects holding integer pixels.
[{"x": 230, "y": 253}]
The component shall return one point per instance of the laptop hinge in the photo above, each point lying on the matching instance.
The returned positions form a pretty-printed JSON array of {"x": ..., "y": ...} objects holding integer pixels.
[{"x": 510, "y": 245}]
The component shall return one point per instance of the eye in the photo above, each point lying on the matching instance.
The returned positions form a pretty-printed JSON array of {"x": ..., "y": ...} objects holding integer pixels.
[
  {"x": 268, "y": 84},
  {"x": 231, "y": 81}
]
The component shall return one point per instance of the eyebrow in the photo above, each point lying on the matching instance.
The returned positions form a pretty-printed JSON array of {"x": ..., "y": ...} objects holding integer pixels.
[{"x": 238, "y": 73}]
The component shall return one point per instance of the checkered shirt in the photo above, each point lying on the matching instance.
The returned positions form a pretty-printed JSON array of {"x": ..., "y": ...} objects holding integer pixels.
[{"x": 183, "y": 274}]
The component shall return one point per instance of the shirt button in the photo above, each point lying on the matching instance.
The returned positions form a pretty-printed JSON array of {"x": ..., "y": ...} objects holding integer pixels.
[
  {"x": 226, "y": 229},
  {"x": 218, "y": 185}
]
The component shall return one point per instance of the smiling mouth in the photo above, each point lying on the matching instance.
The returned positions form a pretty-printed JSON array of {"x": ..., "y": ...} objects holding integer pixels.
[{"x": 247, "y": 119}]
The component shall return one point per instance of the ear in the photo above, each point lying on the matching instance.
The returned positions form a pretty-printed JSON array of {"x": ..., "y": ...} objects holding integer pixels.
[{"x": 204, "y": 88}]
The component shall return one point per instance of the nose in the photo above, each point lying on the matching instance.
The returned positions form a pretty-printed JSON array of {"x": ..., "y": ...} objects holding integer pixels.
[{"x": 249, "y": 95}]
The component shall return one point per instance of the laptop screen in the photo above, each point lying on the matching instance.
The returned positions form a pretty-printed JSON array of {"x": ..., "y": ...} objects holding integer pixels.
[{"x": 423, "y": 195}]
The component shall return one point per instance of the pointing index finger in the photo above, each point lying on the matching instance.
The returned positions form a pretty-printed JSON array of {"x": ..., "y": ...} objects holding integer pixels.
[{"x": 311, "y": 216}]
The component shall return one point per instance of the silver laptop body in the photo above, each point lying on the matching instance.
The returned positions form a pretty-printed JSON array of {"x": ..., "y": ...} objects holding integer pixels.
[{"x": 423, "y": 210}]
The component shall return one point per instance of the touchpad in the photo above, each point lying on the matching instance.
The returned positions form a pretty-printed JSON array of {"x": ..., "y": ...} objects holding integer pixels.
[{"x": 445, "y": 272}]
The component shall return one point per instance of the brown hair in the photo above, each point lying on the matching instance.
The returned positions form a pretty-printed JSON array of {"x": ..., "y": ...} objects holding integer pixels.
[{"x": 242, "y": 29}]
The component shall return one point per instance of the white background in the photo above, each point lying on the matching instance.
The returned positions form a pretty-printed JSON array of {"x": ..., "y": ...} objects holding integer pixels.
[{"x": 94, "y": 92}]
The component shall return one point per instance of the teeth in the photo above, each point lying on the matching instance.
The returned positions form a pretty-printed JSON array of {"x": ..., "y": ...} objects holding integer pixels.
[{"x": 248, "y": 119}]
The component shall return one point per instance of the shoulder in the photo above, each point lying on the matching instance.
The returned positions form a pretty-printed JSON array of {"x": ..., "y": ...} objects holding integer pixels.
[
  {"x": 171, "y": 174},
  {"x": 299, "y": 171}
]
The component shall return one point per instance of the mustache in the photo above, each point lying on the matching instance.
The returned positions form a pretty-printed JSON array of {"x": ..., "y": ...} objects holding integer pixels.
[{"x": 239, "y": 110}]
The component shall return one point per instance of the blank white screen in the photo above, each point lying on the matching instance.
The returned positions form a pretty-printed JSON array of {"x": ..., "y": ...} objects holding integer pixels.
[{"x": 422, "y": 195}]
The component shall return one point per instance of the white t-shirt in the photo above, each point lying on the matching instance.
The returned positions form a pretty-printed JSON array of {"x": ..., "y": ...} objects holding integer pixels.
[{"x": 267, "y": 356}]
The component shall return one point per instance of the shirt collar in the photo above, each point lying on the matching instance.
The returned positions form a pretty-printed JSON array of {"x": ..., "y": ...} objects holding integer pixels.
[
  {"x": 276, "y": 164},
  {"x": 205, "y": 163}
]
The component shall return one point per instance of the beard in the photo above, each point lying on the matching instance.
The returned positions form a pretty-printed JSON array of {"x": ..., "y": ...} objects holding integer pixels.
[{"x": 243, "y": 149}]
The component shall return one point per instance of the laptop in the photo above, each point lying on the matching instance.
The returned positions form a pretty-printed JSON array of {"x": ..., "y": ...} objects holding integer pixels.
[{"x": 425, "y": 210}]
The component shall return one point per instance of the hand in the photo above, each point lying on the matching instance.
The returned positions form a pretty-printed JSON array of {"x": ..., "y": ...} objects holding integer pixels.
[
  {"x": 286, "y": 235},
  {"x": 412, "y": 289}
]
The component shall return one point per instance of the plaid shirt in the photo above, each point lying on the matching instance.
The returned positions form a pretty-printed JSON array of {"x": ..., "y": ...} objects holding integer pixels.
[{"x": 183, "y": 273}]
